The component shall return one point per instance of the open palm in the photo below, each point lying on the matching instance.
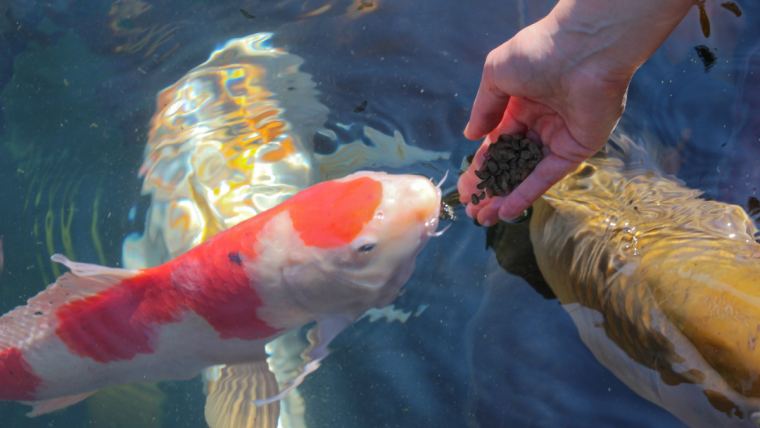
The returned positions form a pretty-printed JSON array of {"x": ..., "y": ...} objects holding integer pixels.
[{"x": 529, "y": 86}]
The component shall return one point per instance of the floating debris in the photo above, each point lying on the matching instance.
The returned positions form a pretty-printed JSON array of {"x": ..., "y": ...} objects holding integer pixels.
[
  {"x": 704, "y": 21},
  {"x": 361, "y": 107},
  {"x": 247, "y": 14},
  {"x": 707, "y": 56},
  {"x": 365, "y": 4},
  {"x": 508, "y": 161},
  {"x": 733, "y": 7}
]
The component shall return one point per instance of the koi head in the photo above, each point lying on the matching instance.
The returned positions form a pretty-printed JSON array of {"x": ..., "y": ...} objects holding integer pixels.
[
  {"x": 358, "y": 239},
  {"x": 384, "y": 250}
]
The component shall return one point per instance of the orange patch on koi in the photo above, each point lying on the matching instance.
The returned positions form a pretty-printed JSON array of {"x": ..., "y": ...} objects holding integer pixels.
[{"x": 353, "y": 204}]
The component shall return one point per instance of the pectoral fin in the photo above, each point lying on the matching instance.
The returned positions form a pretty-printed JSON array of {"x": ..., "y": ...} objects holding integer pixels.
[
  {"x": 231, "y": 390},
  {"x": 48, "y": 406},
  {"x": 323, "y": 333},
  {"x": 126, "y": 406},
  {"x": 390, "y": 151}
]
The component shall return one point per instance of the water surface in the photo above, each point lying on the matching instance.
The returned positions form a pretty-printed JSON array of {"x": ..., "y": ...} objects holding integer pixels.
[{"x": 77, "y": 89}]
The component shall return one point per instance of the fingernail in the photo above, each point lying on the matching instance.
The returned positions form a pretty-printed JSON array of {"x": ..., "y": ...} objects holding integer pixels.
[
  {"x": 486, "y": 223},
  {"x": 525, "y": 215}
]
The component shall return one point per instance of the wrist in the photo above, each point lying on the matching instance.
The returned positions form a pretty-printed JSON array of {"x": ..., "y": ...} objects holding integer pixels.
[{"x": 616, "y": 36}]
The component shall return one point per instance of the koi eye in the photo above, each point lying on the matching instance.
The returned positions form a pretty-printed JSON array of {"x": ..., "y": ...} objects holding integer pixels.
[
  {"x": 366, "y": 248},
  {"x": 364, "y": 245}
]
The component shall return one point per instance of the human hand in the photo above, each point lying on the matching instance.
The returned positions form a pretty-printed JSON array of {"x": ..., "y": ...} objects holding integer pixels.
[
  {"x": 527, "y": 88},
  {"x": 560, "y": 85}
]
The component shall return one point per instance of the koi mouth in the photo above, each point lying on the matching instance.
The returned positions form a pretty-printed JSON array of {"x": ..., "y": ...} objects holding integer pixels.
[{"x": 432, "y": 224}]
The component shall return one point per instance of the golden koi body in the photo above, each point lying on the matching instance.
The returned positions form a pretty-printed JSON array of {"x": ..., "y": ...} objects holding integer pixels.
[
  {"x": 220, "y": 149},
  {"x": 663, "y": 286}
]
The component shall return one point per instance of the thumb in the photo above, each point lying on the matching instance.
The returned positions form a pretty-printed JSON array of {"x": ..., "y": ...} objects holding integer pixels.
[{"x": 488, "y": 107}]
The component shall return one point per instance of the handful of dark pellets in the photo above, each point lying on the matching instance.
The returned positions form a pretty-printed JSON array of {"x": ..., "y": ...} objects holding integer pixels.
[{"x": 508, "y": 161}]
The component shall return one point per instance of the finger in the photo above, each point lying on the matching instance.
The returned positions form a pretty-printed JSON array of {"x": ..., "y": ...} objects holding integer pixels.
[
  {"x": 486, "y": 212},
  {"x": 468, "y": 181},
  {"x": 549, "y": 171},
  {"x": 472, "y": 210},
  {"x": 467, "y": 185},
  {"x": 489, "y": 213},
  {"x": 488, "y": 107}
]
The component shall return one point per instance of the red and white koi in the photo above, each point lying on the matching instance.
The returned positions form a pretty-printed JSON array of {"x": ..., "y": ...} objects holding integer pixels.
[{"x": 327, "y": 254}]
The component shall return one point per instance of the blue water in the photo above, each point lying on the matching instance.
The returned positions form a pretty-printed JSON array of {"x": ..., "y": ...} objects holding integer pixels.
[{"x": 76, "y": 95}]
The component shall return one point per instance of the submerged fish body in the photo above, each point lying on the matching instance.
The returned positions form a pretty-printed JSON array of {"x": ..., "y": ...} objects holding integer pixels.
[
  {"x": 230, "y": 139},
  {"x": 664, "y": 287},
  {"x": 234, "y": 137},
  {"x": 329, "y": 252}
]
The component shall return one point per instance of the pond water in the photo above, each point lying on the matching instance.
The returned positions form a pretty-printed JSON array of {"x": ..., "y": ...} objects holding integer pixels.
[{"x": 78, "y": 85}]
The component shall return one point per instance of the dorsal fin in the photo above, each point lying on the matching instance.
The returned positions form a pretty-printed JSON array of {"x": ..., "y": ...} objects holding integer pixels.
[{"x": 87, "y": 269}]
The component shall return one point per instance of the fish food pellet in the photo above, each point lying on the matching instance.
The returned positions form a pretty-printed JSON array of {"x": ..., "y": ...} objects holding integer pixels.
[{"x": 508, "y": 161}]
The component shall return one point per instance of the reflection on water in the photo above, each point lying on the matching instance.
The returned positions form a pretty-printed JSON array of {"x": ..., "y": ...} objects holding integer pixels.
[
  {"x": 78, "y": 85},
  {"x": 153, "y": 42},
  {"x": 228, "y": 141}
]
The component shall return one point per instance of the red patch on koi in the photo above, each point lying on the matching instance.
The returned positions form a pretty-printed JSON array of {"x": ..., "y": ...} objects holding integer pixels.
[
  {"x": 216, "y": 287},
  {"x": 118, "y": 323},
  {"x": 333, "y": 213},
  {"x": 124, "y": 321},
  {"x": 17, "y": 380}
]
